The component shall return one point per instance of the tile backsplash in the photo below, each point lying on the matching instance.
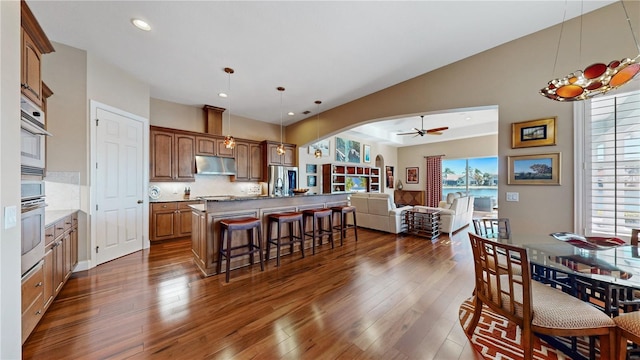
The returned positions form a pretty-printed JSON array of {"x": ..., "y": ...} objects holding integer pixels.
[
  {"x": 62, "y": 190},
  {"x": 206, "y": 185}
]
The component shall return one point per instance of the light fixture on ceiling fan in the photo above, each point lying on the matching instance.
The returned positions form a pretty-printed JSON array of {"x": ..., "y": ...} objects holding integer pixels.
[{"x": 422, "y": 131}]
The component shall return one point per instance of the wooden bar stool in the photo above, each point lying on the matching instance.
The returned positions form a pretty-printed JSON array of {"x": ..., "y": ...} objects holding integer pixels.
[
  {"x": 279, "y": 220},
  {"x": 317, "y": 217},
  {"x": 628, "y": 328},
  {"x": 343, "y": 211},
  {"x": 250, "y": 224}
]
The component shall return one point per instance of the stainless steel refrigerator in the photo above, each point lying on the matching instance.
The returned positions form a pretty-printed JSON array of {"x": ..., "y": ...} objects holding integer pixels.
[{"x": 282, "y": 180}]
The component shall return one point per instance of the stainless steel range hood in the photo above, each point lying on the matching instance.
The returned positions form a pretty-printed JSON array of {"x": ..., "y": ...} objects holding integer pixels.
[{"x": 214, "y": 165}]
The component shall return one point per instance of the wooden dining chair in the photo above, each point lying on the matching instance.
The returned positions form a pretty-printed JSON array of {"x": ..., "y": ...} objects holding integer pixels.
[
  {"x": 533, "y": 306},
  {"x": 492, "y": 228},
  {"x": 628, "y": 328}
]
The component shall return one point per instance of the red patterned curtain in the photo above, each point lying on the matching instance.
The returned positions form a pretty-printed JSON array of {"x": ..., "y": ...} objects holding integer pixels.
[{"x": 434, "y": 180}]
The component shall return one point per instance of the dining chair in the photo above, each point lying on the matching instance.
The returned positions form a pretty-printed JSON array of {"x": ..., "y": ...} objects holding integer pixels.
[
  {"x": 492, "y": 228},
  {"x": 533, "y": 306},
  {"x": 628, "y": 328}
]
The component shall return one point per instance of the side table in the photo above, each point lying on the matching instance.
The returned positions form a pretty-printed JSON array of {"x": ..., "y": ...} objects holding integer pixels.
[{"x": 423, "y": 222}]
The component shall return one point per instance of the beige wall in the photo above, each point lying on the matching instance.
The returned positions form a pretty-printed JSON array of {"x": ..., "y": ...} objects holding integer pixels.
[
  {"x": 509, "y": 76},
  {"x": 482, "y": 146},
  {"x": 192, "y": 118},
  {"x": 65, "y": 72},
  {"x": 10, "y": 335}
]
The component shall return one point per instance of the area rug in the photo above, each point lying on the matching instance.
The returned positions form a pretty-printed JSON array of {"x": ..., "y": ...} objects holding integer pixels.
[{"x": 497, "y": 338}]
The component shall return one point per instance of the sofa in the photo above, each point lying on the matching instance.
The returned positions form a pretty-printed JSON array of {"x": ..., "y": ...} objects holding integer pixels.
[
  {"x": 378, "y": 212},
  {"x": 456, "y": 212}
]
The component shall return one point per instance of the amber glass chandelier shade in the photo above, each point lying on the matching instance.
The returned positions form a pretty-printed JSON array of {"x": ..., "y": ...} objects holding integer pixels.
[
  {"x": 229, "y": 142},
  {"x": 317, "y": 153},
  {"x": 596, "y": 79},
  {"x": 280, "y": 149}
]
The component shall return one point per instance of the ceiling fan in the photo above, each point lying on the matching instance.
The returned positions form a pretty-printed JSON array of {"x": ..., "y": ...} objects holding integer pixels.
[{"x": 422, "y": 131}]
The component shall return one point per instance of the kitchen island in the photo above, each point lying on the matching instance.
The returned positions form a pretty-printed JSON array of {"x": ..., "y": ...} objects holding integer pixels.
[{"x": 205, "y": 226}]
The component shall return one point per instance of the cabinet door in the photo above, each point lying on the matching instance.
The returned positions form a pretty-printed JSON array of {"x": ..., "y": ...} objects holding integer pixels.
[
  {"x": 58, "y": 265},
  {"x": 66, "y": 248},
  {"x": 289, "y": 157},
  {"x": 255, "y": 162},
  {"x": 31, "y": 75},
  {"x": 184, "y": 157},
  {"x": 161, "y": 154},
  {"x": 205, "y": 146},
  {"x": 272, "y": 155},
  {"x": 222, "y": 150},
  {"x": 163, "y": 220},
  {"x": 242, "y": 161},
  {"x": 74, "y": 249},
  {"x": 48, "y": 272},
  {"x": 184, "y": 223}
]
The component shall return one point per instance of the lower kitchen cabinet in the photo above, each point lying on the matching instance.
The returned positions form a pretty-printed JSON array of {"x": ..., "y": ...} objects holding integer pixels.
[
  {"x": 32, "y": 300},
  {"x": 170, "y": 220}
]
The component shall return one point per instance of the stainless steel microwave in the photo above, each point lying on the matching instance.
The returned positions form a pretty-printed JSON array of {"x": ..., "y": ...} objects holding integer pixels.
[{"x": 32, "y": 138}]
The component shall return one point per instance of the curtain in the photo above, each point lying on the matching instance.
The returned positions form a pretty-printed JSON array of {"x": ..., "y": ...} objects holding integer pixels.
[{"x": 434, "y": 180}]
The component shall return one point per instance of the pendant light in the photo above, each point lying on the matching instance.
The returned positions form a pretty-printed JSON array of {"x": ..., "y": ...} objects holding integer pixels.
[
  {"x": 280, "y": 148},
  {"x": 318, "y": 152},
  {"x": 229, "y": 141},
  {"x": 596, "y": 79}
]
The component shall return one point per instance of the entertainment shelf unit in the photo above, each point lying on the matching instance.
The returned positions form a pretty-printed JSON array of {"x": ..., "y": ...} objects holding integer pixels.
[{"x": 340, "y": 178}]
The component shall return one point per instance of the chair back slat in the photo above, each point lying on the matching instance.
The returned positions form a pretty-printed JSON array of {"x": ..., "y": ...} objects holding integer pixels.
[
  {"x": 502, "y": 277},
  {"x": 492, "y": 228}
]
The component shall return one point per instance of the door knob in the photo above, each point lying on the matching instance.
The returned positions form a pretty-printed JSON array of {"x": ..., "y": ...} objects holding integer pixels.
[{"x": 140, "y": 201}]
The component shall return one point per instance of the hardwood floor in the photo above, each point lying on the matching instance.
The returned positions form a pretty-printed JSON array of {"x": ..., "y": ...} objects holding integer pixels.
[{"x": 384, "y": 297}]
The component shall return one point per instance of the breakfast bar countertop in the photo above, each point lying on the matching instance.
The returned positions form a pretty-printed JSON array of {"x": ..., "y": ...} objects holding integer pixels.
[{"x": 218, "y": 198}]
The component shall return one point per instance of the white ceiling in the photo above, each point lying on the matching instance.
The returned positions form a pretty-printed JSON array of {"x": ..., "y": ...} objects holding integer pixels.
[{"x": 334, "y": 51}]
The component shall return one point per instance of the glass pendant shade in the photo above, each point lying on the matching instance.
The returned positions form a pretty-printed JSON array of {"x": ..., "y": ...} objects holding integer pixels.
[
  {"x": 229, "y": 142},
  {"x": 280, "y": 149},
  {"x": 317, "y": 153},
  {"x": 596, "y": 79}
]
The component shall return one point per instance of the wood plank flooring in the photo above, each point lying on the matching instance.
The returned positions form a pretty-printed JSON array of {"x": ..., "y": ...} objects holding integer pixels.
[{"x": 383, "y": 297}]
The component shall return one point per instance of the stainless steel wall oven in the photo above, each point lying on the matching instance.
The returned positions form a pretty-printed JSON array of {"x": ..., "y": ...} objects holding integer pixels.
[
  {"x": 32, "y": 138},
  {"x": 32, "y": 220}
]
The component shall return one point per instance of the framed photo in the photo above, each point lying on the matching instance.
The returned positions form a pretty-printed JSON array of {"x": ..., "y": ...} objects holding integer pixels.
[
  {"x": 312, "y": 168},
  {"x": 366, "y": 150},
  {"x": 347, "y": 150},
  {"x": 323, "y": 145},
  {"x": 541, "y": 132},
  {"x": 389, "y": 176},
  {"x": 311, "y": 180},
  {"x": 412, "y": 175},
  {"x": 542, "y": 169}
]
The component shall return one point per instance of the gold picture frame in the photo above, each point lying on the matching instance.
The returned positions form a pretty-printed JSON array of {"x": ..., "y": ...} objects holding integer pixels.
[
  {"x": 540, "y": 169},
  {"x": 540, "y": 132}
]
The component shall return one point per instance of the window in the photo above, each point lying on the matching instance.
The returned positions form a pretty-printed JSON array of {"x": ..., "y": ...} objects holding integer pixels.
[
  {"x": 610, "y": 177},
  {"x": 477, "y": 177}
]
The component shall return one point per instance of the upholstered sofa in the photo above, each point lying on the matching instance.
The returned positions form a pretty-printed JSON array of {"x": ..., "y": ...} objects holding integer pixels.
[
  {"x": 456, "y": 212},
  {"x": 378, "y": 211}
]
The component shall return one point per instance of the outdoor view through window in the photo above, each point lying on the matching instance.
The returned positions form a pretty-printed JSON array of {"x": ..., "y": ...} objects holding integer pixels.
[{"x": 477, "y": 177}]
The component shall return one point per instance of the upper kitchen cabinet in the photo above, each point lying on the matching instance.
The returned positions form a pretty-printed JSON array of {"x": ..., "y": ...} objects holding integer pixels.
[
  {"x": 34, "y": 44},
  {"x": 213, "y": 146},
  {"x": 172, "y": 155},
  {"x": 248, "y": 161},
  {"x": 272, "y": 157}
]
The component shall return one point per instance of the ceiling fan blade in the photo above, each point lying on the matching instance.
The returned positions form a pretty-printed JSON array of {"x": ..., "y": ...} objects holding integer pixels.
[
  {"x": 437, "y": 129},
  {"x": 435, "y": 133},
  {"x": 407, "y": 133}
]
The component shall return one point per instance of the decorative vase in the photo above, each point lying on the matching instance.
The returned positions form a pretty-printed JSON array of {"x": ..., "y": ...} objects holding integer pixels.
[{"x": 399, "y": 185}]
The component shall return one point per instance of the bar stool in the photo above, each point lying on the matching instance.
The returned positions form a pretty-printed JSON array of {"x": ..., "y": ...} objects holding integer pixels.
[
  {"x": 250, "y": 224},
  {"x": 317, "y": 217},
  {"x": 343, "y": 211},
  {"x": 281, "y": 219}
]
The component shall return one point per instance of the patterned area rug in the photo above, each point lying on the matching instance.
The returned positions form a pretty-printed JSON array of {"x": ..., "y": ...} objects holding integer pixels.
[{"x": 497, "y": 338}]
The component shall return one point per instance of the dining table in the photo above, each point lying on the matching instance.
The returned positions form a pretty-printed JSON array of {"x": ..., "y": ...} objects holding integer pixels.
[{"x": 608, "y": 277}]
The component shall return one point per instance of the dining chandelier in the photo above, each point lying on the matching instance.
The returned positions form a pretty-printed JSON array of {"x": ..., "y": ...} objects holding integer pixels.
[
  {"x": 596, "y": 79},
  {"x": 229, "y": 141}
]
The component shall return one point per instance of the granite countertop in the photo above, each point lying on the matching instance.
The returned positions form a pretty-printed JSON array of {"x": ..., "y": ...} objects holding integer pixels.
[{"x": 51, "y": 216}]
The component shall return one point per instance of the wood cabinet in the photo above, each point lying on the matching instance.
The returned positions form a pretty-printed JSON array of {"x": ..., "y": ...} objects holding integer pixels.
[
  {"x": 34, "y": 44},
  {"x": 271, "y": 154},
  {"x": 213, "y": 146},
  {"x": 248, "y": 161},
  {"x": 170, "y": 220},
  {"x": 32, "y": 300},
  {"x": 338, "y": 178},
  {"x": 199, "y": 238},
  {"x": 172, "y": 155}
]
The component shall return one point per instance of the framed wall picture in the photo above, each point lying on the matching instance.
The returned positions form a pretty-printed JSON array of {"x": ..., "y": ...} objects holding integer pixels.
[
  {"x": 347, "y": 150},
  {"x": 312, "y": 168},
  {"x": 366, "y": 151},
  {"x": 323, "y": 145},
  {"x": 412, "y": 175},
  {"x": 541, "y": 132},
  {"x": 542, "y": 169},
  {"x": 388, "y": 170},
  {"x": 311, "y": 180}
]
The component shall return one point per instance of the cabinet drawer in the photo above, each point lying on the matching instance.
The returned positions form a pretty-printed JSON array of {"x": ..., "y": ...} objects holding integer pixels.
[
  {"x": 32, "y": 288},
  {"x": 59, "y": 227},
  {"x": 184, "y": 205},
  {"x": 164, "y": 206},
  {"x": 30, "y": 318},
  {"x": 49, "y": 234},
  {"x": 74, "y": 219},
  {"x": 67, "y": 223}
]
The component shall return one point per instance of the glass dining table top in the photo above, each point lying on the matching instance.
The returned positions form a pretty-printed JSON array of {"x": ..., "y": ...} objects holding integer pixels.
[{"x": 617, "y": 265}]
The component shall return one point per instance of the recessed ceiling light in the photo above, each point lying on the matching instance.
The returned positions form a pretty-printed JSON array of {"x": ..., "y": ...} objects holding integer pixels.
[
  {"x": 223, "y": 95},
  {"x": 141, "y": 24},
  {"x": 290, "y": 113}
]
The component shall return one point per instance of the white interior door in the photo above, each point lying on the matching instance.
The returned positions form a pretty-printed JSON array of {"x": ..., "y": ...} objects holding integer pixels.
[{"x": 119, "y": 185}]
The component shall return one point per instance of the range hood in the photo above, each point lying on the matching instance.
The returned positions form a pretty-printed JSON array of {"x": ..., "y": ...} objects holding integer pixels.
[{"x": 214, "y": 165}]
